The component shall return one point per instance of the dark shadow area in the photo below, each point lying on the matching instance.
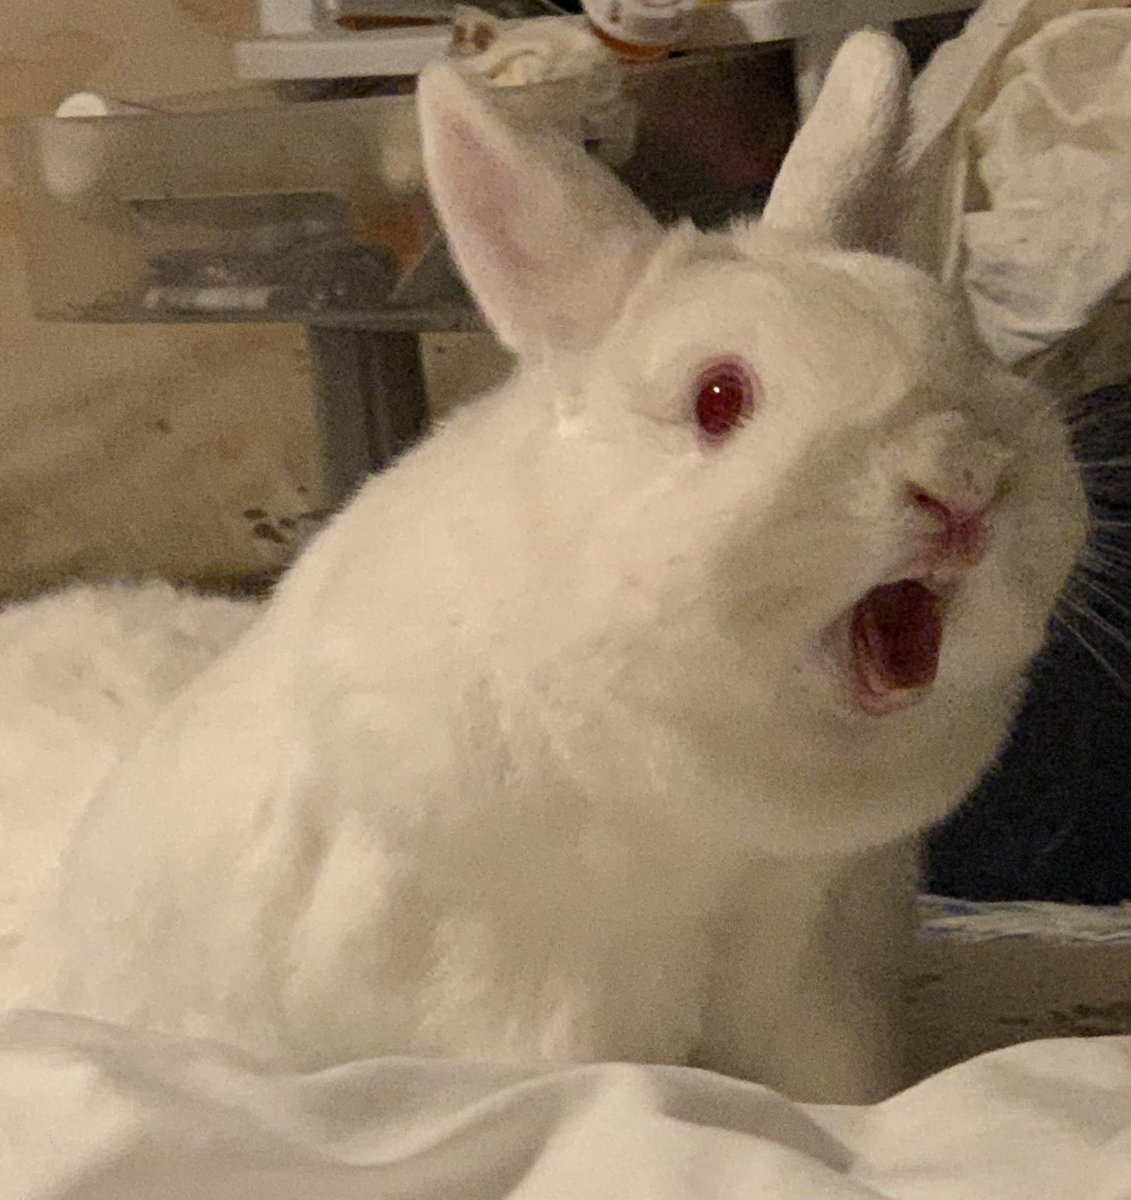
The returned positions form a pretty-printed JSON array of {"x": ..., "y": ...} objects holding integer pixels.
[{"x": 1053, "y": 820}]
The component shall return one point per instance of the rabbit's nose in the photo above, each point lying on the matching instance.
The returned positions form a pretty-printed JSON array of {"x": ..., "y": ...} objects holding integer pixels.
[
  {"x": 954, "y": 477},
  {"x": 961, "y": 528},
  {"x": 949, "y": 462}
]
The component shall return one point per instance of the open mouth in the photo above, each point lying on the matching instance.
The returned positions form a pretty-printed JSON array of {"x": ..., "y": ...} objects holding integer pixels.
[{"x": 894, "y": 635}]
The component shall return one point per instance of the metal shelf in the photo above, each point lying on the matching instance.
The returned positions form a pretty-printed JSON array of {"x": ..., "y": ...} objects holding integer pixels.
[{"x": 325, "y": 54}]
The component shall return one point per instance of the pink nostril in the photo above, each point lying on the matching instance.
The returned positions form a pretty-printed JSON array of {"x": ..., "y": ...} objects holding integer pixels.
[
  {"x": 962, "y": 528},
  {"x": 948, "y": 512}
]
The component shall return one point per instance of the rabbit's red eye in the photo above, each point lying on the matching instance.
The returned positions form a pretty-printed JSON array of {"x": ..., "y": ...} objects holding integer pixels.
[{"x": 725, "y": 397}]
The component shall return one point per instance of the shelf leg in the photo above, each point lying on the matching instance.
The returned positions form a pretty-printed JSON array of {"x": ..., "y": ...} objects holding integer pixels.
[{"x": 370, "y": 401}]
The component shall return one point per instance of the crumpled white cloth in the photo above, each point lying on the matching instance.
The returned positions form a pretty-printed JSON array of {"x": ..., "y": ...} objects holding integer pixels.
[
  {"x": 99, "y": 1112},
  {"x": 1053, "y": 155},
  {"x": 1019, "y": 161}
]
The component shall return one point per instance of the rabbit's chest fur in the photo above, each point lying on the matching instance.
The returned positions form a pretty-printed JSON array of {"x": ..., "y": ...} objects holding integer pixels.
[
  {"x": 428, "y": 804},
  {"x": 360, "y": 832},
  {"x": 256, "y": 901},
  {"x": 461, "y": 790}
]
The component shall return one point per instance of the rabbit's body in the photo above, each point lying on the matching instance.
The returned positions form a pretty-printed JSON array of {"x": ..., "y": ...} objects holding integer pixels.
[
  {"x": 368, "y": 849},
  {"x": 599, "y": 727}
]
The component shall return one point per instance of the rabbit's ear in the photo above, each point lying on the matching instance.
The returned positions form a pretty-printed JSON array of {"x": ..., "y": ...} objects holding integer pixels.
[
  {"x": 839, "y": 179},
  {"x": 548, "y": 241}
]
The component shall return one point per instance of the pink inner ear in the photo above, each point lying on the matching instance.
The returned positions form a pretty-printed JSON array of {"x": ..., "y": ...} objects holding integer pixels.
[{"x": 483, "y": 196}]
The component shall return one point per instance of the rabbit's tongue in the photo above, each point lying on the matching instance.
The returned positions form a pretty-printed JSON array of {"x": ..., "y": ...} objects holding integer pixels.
[{"x": 895, "y": 638}]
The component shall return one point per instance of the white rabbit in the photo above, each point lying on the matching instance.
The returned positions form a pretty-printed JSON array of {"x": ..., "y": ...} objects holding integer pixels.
[{"x": 598, "y": 727}]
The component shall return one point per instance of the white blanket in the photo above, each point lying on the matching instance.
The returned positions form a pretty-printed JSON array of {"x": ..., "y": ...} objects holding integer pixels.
[{"x": 101, "y": 1113}]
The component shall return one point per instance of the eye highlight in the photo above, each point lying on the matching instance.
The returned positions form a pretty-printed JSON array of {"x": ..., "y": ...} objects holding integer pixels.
[{"x": 726, "y": 393}]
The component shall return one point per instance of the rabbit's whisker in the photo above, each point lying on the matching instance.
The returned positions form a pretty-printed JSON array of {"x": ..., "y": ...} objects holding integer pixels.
[
  {"x": 1121, "y": 463},
  {"x": 1106, "y": 596},
  {"x": 1106, "y": 559},
  {"x": 1083, "y": 607},
  {"x": 1087, "y": 614}
]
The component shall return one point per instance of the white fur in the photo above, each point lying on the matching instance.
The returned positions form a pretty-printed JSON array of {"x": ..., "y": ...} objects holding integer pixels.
[
  {"x": 85, "y": 671},
  {"x": 534, "y": 754},
  {"x": 837, "y": 182}
]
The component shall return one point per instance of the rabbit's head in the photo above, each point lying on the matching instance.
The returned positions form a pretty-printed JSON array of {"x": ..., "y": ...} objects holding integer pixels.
[{"x": 808, "y": 535}]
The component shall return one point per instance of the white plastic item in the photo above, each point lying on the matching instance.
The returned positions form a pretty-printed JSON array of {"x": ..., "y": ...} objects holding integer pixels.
[
  {"x": 568, "y": 77},
  {"x": 90, "y": 104},
  {"x": 639, "y": 24},
  {"x": 516, "y": 53},
  {"x": 72, "y": 167}
]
